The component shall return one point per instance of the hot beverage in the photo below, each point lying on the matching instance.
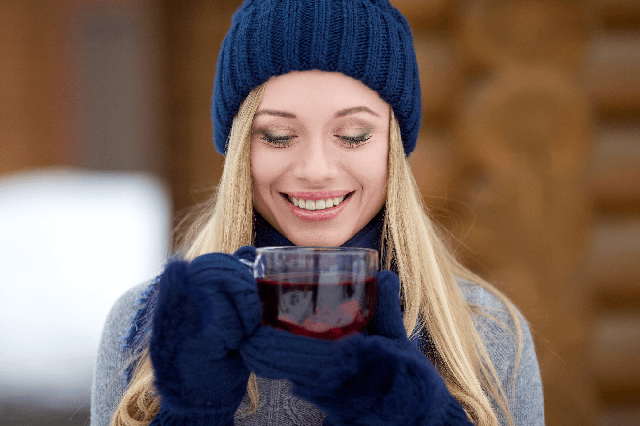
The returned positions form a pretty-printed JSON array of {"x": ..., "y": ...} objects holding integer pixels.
[
  {"x": 303, "y": 304},
  {"x": 321, "y": 292}
]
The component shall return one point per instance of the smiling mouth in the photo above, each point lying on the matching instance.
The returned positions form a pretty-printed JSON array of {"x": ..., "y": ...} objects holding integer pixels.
[{"x": 315, "y": 205}]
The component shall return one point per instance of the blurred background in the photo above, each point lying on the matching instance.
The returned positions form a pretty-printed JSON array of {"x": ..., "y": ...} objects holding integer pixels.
[{"x": 529, "y": 155}]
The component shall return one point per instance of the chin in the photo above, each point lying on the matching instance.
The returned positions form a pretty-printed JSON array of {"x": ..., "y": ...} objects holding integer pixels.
[{"x": 318, "y": 239}]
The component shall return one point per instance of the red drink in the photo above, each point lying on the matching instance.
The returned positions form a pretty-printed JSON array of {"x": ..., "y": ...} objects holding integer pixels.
[{"x": 299, "y": 304}]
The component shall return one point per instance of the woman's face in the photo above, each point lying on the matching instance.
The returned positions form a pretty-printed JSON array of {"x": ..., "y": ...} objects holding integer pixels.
[{"x": 319, "y": 150}]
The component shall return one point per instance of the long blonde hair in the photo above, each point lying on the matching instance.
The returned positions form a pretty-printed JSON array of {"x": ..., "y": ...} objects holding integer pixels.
[{"x": 411, "y": 244}]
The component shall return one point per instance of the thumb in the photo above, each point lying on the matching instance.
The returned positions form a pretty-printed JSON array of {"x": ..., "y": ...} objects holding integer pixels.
[
  {"x": 387, "y": 320},
  {"x": 247, "y": 253}
]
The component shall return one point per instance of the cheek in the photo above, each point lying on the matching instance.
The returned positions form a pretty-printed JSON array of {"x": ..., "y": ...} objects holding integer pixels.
[
  {"x": 269, "y": 169},
  {"x": 378, "y": 181},
  {"x": 371, "y": 171},
  {"x": 261, "y": 173}
]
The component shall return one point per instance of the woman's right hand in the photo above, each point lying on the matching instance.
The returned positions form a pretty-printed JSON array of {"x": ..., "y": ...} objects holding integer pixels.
[{"x": 205, "y": 309}]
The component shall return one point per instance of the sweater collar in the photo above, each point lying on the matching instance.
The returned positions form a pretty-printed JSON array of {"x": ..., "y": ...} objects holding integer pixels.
[{"x": 368, "y": 237}]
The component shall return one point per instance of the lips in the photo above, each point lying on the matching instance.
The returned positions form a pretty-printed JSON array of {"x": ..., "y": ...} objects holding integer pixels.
[
  {"x": 317, "y": 205},
  {"x": 313, "y": 205}
]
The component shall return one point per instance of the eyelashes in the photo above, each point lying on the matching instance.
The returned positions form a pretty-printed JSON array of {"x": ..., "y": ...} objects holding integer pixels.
[
  {"x": 284, "y": 140},
  {"x": 280, "y": 141},
  {"x": 355, "y": 140}
]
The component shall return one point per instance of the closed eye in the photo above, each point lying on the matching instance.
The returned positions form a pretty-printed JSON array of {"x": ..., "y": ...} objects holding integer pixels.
[
  {"x": 278, "y": 141},
  {"x": 355, "y": 140}
]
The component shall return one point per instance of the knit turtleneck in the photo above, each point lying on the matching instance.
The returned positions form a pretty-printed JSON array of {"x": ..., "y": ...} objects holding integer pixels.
[{"x": 266, "y": 235}]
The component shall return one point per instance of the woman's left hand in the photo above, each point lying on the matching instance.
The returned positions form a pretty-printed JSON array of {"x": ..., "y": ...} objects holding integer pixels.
[{"x": 376, "y": 379}]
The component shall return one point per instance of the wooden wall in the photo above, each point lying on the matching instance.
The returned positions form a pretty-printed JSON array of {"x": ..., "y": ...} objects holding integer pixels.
[
  {"x": 529, "y": 152},
  {"x": 81, "y": 85},
  {"x": 612, "y": 80},
  {"x": 27, "y": 61}
]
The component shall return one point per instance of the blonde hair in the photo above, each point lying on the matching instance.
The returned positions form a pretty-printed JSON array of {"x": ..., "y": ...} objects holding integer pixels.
[{"x": 411, "y": 244}]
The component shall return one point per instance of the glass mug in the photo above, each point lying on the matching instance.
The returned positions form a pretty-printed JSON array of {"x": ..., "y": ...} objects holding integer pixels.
[{"x": 321, "y": 292}]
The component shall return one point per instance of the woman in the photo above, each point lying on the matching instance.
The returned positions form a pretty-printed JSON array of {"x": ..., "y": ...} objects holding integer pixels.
[{"x": 316, "y": 106}]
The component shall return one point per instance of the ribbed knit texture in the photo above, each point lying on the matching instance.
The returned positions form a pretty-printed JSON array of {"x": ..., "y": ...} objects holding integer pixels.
[
  {"x": 194, "y": 417},
  {"x": 368, "y": 40}
]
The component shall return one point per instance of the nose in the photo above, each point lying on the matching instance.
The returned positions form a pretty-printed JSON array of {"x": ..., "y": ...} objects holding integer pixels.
[{"x": 317, "y": 162}]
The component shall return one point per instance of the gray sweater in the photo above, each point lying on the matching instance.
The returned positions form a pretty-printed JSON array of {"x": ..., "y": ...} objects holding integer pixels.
[{"x": 279, "y": 407}]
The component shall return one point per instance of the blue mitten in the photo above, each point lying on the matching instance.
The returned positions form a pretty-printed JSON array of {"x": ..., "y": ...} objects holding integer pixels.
[
  {"x": 378, "y": 379},
  {"x": 204, "y": 311}
]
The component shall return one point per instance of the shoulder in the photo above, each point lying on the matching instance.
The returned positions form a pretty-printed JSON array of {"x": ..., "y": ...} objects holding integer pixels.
[
  {"x": 125, "y": 307},
  {"x": 507, "y": 339},
  {"x": 119, "y": 323},
  {"x": 119, "y": 320},
  {"x": 502, "y": 328},
  {"x": 108, "y": 381},
  {"x": 477, "y": 295},
  {"x": 495, "y": 318}
]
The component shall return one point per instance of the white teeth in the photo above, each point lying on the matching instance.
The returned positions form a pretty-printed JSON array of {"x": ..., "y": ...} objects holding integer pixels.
[{"x": 317, "y": 204}]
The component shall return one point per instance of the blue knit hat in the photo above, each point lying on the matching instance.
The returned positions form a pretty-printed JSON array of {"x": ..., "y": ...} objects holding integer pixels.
[{"x": 368, "y": 40}]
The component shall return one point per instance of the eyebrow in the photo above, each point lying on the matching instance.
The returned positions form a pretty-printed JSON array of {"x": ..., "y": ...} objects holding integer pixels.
[
  {"x": 276, "y": 113},
  {"x": 354, "y": 110},
  {"x": 341, "y": 113}
]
